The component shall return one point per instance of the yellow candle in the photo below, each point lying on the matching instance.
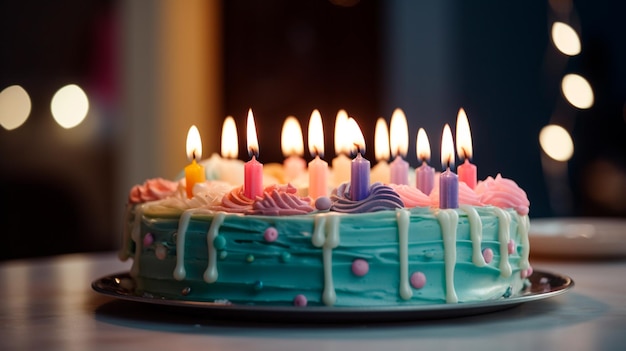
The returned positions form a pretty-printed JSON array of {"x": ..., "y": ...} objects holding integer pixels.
[{"x": 194, "y": 173}]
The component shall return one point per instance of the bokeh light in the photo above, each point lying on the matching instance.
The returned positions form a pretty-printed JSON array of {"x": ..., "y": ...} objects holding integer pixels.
[
  {"x": 577, "y": 91},
  {"x": 15, "y": 107},
  {"x": 556, "y": 142},
  {"x": 69, "y": 106},
  {"x": 565, "y": 39}
]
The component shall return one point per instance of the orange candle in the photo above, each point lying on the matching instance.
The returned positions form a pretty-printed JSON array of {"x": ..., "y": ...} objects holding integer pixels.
[{"x": 194, "y": 173}]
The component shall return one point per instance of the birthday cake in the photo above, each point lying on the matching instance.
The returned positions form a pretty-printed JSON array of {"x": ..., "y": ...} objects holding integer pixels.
[{"x": 395, "y": 247}]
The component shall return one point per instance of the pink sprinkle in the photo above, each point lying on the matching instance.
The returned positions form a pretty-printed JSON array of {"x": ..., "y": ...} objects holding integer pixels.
[
  {"x": 300, "y": 300},
  {"x": 511, "y": 247},
  {"x": 360, "y": 267},
  {"x": 526, "y": 272},
  {"x": 418, "y": 280},
  {"x": 271, "y": 234},
  {"x": 488, "y": 255},
  {"x": 148, "y": 239}
]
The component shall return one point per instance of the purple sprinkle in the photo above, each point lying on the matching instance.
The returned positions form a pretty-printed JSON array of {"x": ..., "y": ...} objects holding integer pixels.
[
  {"x": 300, "y": 300},
  {"x": 148, "y": 239},
  {"x": 360, "y": 267},
  {"x": 418, "y": 280},
  {"x": 271, "y": 234}
]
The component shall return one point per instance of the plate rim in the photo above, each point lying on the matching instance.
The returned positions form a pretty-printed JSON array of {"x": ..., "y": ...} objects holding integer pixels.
[{"x": 341, "y": 313}]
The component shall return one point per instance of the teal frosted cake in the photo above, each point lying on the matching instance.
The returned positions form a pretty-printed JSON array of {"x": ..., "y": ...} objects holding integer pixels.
[{"x": 396, "y": 247}]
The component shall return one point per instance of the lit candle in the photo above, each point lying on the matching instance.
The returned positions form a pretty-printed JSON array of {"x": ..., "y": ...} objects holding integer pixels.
[
  {"x": 292, "y": 146},
  {"x": 448, "y": 181},
  {"x": 424, "y": 174},
  {"x": 380, "y": 172},
  {"x": 318, "y": 168},
  {"x": 341, "y": 162},
  {"x": 399, "y": 141},
  {"x": 253, "y": 169},
  {"x": 467, "y": 171},
  {"x": 194, "y": 173},
  {"x": 230, "y": 147},
  {"x": 360, "y": 167}
]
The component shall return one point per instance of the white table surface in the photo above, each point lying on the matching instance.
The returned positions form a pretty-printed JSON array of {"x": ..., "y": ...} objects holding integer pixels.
[{"x": 48, "y": 304}]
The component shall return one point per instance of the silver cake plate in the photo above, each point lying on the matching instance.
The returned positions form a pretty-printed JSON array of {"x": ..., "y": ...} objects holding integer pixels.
[{"x": 543, "y": 285}]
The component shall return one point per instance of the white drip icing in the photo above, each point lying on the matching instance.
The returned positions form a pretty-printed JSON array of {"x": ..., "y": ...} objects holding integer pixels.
[
  {"x": 136, "y": 236},
  {"x": 476, "y": 234},
  {"x": 179, "y": 271},
  {"x": 523, "y": 226},
  {"x": 504, "y": 235},
  {"x": 326, "y": 235},
  {"x": 448, "y": 218},
  {"x": 402, "y": 217},
  {"x": 210, "y": 275}
]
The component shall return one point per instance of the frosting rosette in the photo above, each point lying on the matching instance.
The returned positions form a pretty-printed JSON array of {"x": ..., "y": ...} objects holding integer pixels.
[
  {"x": 234, "y": 202},
  {"x": 281, "y": 200},
  {"x": 381, "y": 198},
  {"x": 504, "y": 193},
  {"x": 411, "y": 196},
  {"x": 152, "y": 190},
  {"x": 467, "y": 196}
]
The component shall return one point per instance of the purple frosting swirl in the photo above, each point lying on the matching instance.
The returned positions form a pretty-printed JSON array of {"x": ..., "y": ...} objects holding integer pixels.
[
  {"x": 276, "y": 203},
  {"x": 381, "y": 198}
]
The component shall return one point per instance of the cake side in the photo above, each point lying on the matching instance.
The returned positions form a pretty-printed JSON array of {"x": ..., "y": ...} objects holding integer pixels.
[{"x": 394, "y": 257}]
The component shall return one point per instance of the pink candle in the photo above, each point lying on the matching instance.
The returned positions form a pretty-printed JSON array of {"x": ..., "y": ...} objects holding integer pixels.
[
  {"x": 399, "y": 171},
  {"x": 318, "y": 168},
  {"x": 360, "y": 167},
  {"x": 467, "y": 171},
  {"x": 448, "y": 181},
  {"x": 253, "y": 169},
  {"x": 399, "y": 141},
  {"x": 293, "y": 147},
  {"x": 424, "y": 175}
]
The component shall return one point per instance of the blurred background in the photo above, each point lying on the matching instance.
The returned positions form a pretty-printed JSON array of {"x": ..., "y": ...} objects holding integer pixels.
[{"x": 96, "y": 96}]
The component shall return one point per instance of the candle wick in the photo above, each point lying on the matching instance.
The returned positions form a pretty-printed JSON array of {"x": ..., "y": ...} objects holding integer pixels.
[{"x": 253, "y": 152}]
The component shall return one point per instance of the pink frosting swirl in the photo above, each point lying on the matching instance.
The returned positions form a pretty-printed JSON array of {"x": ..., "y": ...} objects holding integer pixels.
[
  {"x": 234, "y": 202},
  {"x": 281, "y": 201},
  {"x": 411, "y": 196},
  {"x": 152, "y": 190},
  {"x": 504, "y": 193},
  {"x": 467, "y": 196}
]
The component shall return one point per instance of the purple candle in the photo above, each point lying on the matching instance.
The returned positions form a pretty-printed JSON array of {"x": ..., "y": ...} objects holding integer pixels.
[
  {"x": 424, "y": 175},
  {"x": 448, "y": 181},
  {"x": 360, "y": 167},
  {"x": 399, "y": 171},
  {"x": 360, "y": 178}
]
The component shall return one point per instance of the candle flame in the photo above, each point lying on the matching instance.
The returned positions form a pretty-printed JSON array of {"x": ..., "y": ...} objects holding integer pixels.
[
  {"x": 463, "y": 136},
  {"x": 423, "y": 145},
  {"x": 447, "y": 148},
  {"x": 194, "y": 144},
  {"x": 399, "y": 130},
  {"x": 316, "y": 134},
  {"x": 341, "y": 144},
  {"x": 253, "y": 143},
  {"x": 230, "y": 148},
  {"x": 291, "y": 142},
  {"x": 381, "y": 140},
  {"x": 357, "y": 144}
]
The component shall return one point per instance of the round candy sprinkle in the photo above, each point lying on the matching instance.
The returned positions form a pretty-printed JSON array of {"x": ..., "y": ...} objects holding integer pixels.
[
  {"x": 250, "y": 258},
  {"x": 488, "y": 255},
  {"x": 418, "y": 280},
  {"x": 219, "y": 243},
  {"x": 525, "y": 273},
  {"x": 186, "y": 291},
  {"x": 285, "y": 257},
  {"x": 148, "y": 239},
  {"x": 271, "y": 234},
  {"x": 360, "y": 267},
  {"x": 223, "y": 255},
  {"x": 258, "y": 285},
  {"x": 511, "y": 247},
  {"x": 300, "y": 300},
  {"x": 323, "y": 203},
  {"x": 160, "y": 252}
]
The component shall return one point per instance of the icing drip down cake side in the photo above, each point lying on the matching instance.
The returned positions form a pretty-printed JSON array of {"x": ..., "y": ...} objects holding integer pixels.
[{"x": 394, "y": 248}]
